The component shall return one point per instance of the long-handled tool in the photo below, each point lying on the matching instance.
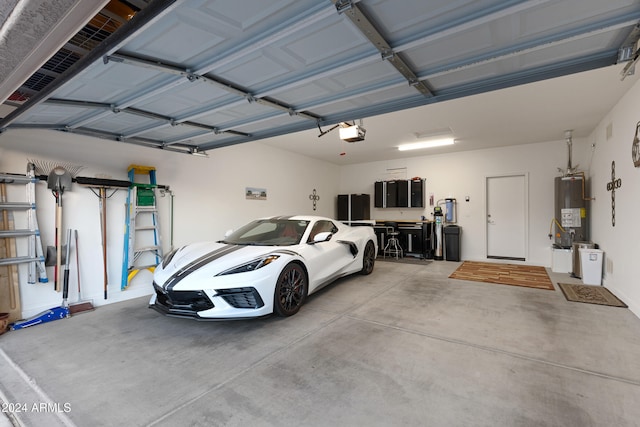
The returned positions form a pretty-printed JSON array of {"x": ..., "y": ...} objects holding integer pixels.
[
  {"x": 65, "y": 280},
  {"x": 104, "y": 188},
  {"x": 77, "y": 263},
  {"x": 58, "y": 240},
  {"x": 59, "y": 179},
  {"x": 103, "y": 229},
  {"x": 79, "y": 306}
]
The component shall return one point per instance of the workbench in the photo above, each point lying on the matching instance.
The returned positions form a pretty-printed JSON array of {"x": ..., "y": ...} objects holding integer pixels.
[{"x": 416, "y": 237}]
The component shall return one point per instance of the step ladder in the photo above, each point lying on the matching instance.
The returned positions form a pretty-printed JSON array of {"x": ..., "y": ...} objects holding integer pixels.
[
  {"x": 142, "y": 246},
  {"x": 36, "y": 269}
]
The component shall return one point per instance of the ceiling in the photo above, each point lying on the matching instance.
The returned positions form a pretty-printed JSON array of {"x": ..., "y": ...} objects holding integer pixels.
[
  {"x": 192, "y": 76},
  {"x": 525, "y": 114}
]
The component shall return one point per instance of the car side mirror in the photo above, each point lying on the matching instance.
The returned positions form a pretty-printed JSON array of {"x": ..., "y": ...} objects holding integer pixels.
[{"x": 325, "y": 236}]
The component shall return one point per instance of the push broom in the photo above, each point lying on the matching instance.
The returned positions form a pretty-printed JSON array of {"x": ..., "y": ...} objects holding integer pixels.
[
  {"x": 54, "y": 313},
  {"x": 63, "y": 311},
  {"x": 78, "y": 306}
]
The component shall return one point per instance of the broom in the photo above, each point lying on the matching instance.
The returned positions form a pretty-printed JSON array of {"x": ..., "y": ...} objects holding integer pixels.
[{"x": 79, "y": 306}]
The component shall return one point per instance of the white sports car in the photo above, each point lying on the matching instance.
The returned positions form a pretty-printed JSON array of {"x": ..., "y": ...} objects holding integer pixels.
[{"x": 268, "y": 266}]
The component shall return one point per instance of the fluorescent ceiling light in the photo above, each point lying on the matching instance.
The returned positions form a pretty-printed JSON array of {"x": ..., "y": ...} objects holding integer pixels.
[{"x": 427, "y": 144}]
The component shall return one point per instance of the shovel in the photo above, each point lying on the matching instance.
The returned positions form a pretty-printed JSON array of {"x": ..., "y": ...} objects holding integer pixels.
[{"x": 58, "y": 181}]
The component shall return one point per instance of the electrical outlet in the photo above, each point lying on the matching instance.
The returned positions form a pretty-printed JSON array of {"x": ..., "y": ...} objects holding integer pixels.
[{"x": 609, "y": 267}]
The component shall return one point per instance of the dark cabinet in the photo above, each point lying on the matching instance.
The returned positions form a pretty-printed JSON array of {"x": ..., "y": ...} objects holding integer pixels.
[
  {"x": 399, "y": 194},
  {"x": 379, "y": 194},
  {"x": 353, "y": 207},
  {"x": 402, "y": 198},
  {"x": 415, "y": 238},
  {"x": 417, "y": 193},
  {"x": 412, "y": 239},
  {"x": 391, "y": 197}
]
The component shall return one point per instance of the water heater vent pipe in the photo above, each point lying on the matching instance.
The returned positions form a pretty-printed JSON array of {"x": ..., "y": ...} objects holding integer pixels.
[{"x": 568, "y": 138}]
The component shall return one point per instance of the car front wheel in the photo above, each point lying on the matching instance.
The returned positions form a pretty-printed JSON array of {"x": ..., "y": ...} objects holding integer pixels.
[{"x": 291, "y": 290}]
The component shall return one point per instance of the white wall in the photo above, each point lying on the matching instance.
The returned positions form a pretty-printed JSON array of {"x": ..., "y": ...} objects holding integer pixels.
[
  {"x": 464, "y": 174},
  {"x": 209, "y": 198},
  {"x": 621, "y": 244}
]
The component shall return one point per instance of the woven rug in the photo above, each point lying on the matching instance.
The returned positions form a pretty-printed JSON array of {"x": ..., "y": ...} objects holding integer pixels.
[
  {"x": 590, "y": 294},
  {"x": 504, "y": 274}
]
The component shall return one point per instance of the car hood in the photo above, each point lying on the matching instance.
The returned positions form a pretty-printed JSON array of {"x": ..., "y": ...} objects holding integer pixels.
[{"x": 215, "y": 257}]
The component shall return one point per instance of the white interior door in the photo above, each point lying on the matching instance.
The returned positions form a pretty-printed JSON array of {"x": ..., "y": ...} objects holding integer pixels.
[{"x": 507, "y": 207}]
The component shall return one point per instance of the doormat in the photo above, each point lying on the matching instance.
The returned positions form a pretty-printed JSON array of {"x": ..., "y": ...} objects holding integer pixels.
[
  {"x": 504, "y": 274},
  {"x": 404, "y": 260},
  {"x": 590, "y": 294}
]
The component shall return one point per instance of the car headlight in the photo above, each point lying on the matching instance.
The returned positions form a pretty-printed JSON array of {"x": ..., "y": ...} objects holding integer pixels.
[
  {"x": 168, "y": 257},
  {"x": 251, "y": 265}
]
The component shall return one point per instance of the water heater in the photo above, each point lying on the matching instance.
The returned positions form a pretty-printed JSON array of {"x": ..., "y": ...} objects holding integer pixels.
[{"x": 570, "y": 210}]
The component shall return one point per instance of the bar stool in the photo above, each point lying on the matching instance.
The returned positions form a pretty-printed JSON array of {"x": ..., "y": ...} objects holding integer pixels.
[{"x": 392, "y": 248}]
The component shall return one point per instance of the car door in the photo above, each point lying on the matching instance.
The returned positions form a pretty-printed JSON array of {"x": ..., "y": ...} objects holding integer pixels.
[{"x": 325, "y": 260}]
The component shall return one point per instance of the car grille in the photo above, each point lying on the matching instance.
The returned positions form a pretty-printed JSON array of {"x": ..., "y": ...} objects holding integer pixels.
[
  {"x": 183, "y": 301},
  {"x": 241, "y": 297}
]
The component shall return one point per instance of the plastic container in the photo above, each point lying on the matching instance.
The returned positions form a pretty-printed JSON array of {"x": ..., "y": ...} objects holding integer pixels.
[
  {"x": 577, "y": 246},
  {"x": 591, "y": 263},
  {"x": 452, "y": 242},
  {"x": 561, "y": 260}
]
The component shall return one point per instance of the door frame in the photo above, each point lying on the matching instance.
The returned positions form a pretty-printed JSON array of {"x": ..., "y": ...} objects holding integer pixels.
[{"x": 525, "y": 175}]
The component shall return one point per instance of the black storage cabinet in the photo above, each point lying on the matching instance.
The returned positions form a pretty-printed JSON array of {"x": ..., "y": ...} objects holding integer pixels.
[
  {"x": 452, "y": 242},
  {"x": 417, "y": 193},
  {"x": 378, "y": 194},
  {"x": 392, "y": 194},
  {"x": 359, "y": 207},
  {"x": 402, "y": 194}
]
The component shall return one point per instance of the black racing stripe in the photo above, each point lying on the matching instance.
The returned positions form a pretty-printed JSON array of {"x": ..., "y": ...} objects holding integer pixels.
[
  {"x": 282, "y": 217},
  {"x": 286, "y": 252},
  {"x": 199, "y": 263}
]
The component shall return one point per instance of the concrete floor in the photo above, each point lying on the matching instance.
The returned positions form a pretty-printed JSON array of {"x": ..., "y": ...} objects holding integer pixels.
[{"x": 403, "y": 346}]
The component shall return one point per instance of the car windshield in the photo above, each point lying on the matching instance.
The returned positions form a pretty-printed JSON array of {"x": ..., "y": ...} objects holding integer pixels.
[{"x": 269, "y": 232}]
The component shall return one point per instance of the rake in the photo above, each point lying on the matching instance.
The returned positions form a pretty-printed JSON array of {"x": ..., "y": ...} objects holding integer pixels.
[
  {"x": 59, "y": 178},
  {"x": 45, "y": 167}
]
